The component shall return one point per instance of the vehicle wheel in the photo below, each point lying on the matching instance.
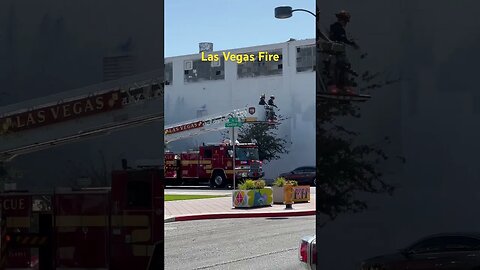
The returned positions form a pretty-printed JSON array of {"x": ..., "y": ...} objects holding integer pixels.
[{"x": 218, "y": 180}]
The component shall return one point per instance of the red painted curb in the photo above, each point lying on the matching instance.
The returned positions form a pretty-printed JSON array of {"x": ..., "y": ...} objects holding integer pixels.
[{"x": 245, "y": 215}]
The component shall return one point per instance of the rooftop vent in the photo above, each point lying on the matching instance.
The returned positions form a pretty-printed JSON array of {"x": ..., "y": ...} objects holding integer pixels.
[{"x": 205, "y": 47}]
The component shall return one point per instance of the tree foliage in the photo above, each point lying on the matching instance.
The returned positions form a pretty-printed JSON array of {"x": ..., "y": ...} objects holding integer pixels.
[
  {"x": 345, "y": 167},
  {"x": 270, "y": 145}
]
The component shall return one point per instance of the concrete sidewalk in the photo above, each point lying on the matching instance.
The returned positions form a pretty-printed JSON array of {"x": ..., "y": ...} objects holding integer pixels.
[{"x": 216, "y": 208}]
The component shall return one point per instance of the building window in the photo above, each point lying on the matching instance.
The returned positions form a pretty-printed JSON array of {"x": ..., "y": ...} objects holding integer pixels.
[
  {"x": 117, "y": 67},
  {"x": 168, "y": 73},
  {"x": 198, "y": 70},
  {"x": 261, "y": 68},
  {"x": 306, "y": 58}
]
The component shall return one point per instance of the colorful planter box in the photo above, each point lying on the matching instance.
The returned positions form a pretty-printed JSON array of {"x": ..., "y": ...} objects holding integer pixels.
[
  {"x": 300, "y": 194},
  {"x": 252, "y": 198}
]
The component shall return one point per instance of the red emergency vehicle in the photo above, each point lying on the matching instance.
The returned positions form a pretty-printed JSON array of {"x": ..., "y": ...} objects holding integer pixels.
[
  {"x": 213, "y": 163},
  {"x": 111, "y": 228}
]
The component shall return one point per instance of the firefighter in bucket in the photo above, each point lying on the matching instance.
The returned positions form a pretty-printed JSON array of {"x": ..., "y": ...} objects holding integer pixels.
[
  {"x": 269, "y": 109},
  {"x": 339, "y": 71},
  {"x": 262, "y": 100}
]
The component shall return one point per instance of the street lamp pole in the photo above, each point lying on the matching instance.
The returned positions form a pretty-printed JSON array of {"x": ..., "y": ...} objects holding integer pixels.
[
  {"x": 285, "y": 12},
  {"x": 308, "y": 11}
]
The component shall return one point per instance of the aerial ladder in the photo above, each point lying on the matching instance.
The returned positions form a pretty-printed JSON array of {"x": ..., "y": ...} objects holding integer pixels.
[
  {"x": 80, "y": 114},
  {"x": 216, "y": 122},
  {"x": 258, "y": 114}
]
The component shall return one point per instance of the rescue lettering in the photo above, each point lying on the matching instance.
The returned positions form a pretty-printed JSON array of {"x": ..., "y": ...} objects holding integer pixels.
[{"x": 12, "y": 204}]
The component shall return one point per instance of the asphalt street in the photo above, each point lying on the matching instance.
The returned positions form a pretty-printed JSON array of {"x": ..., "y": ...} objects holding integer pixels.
[{"x": 240, "y": 244}]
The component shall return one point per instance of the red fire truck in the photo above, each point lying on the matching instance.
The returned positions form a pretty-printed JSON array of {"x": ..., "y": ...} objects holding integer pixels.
[
  {"x": 214, "y": 162},
  {"x": 114, "y": 228}
]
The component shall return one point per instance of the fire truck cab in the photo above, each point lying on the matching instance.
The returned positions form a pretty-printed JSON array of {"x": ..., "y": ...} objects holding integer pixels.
[
  {"x": 213, "y": 163},
  {"x": 111, "y": 228}
]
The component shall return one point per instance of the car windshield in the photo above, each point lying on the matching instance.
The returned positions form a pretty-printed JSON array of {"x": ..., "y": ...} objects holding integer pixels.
[
  {"x": 304, "y": 170},
  {"x": 447, "y": 243},
  {"x": 246, "y": 153}
]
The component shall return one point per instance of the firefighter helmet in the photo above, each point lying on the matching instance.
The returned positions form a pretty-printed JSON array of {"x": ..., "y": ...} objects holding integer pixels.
[{"x": 343, "y": 15}]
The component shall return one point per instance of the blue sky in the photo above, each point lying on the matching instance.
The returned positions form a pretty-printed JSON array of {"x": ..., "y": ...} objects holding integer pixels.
[{"x": 231, "y": 24}]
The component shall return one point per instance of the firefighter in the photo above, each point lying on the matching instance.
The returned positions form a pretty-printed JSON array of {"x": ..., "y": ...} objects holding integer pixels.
[
  {"x": 270, "y": 112},
  {"x": 271, "y": 103},
  {"x": 337, "y": 29},
  {"x": 338, "y": 34},
  {"x": 262, "y": 100}
]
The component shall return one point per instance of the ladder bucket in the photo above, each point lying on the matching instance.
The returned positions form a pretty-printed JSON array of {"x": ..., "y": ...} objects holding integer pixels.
[{"x": 257, "y": 113}]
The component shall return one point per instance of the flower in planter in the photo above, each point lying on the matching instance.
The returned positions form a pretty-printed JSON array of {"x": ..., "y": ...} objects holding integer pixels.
[
  {"x": 279, "y": 182},
  {"x": 259, "y": 184},
  {"x": 292, "y": 182},
  {"x": 252, "y": 184}
]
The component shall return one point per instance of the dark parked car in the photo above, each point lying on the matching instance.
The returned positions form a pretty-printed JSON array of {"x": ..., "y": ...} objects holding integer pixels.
[
  {"x": 453, "y": 251},
  {"x": 303, "y": 175}
]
